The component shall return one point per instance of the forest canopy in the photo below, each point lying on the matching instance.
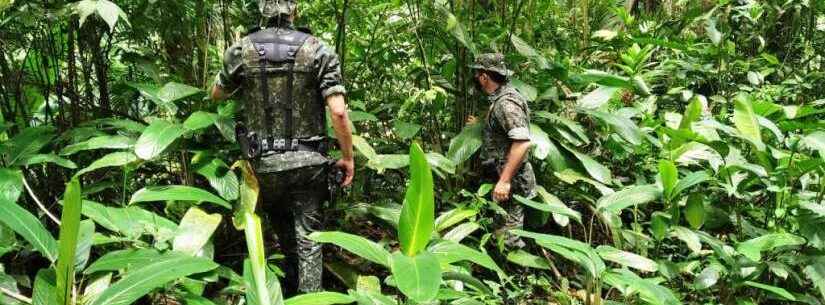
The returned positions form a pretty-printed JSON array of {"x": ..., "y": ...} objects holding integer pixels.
[{"x": 678, "y": 147}]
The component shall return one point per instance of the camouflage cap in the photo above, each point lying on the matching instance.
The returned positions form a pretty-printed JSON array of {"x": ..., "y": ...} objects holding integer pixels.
[
  {"x": 492, "y": 62},
  {"x": 274, "y": 8}
]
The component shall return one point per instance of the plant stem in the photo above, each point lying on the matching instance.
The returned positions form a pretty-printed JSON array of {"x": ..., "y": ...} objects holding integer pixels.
[
  {"x": 38, "y": 202},
  {"x": 16, "y": 296}
]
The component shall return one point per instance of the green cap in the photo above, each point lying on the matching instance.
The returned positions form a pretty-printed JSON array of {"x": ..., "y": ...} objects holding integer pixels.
[
  {"x": 274, "y": 8},
  {"x": 492, "y": 62}
]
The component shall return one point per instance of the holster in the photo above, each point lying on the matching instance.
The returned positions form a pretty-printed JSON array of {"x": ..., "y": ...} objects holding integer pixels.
[
  {"x": 248, "y": 141},
  {"x": 489, "y": 169},
  {"x": 335, "y": 176}
]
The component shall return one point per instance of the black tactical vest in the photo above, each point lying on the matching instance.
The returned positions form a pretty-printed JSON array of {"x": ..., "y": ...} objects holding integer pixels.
[{"x": 282, "y": 98}]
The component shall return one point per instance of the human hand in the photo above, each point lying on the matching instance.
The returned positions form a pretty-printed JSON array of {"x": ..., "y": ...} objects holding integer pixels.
[
  {"x": 348, "y": 167},
  {"x": 501, "y": 192}
]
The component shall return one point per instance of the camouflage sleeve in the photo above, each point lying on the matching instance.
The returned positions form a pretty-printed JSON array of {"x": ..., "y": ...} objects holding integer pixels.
[
  {"x": 230, "y": 76},
  {"x": 514, "y": 118},
  {"x": 329, "y": 72}
]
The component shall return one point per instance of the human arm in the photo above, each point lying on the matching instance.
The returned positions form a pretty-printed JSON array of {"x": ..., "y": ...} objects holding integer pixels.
[
  {"x": 515, "y": 157},
  {"x": 513, "y": 115},
  {"x": 343, "y": 132}
]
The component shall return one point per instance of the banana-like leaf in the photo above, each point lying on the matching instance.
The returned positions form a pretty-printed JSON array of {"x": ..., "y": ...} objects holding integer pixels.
[
  {"x": 417, "y": 221},
  {"x": 773, "y": 289},
  {"x": 67, "y": 245},
  {"x": 465, "y": 144},
  {"x": 44, "y": 288},
  {"x": 220, "y": 177},
  {"x": 356, "y": 244},
  {"x": 25, "y": 144},
  {"x": 194, "y": 230},
  {"x": 131, "y": 221},
  {"x": 522, "y": 258},
  {"x": 139, "y": 281},
  {"x": 746, "y": 122},
  {"x": 596, "y": 170},
  {"x": 115, "y": 159},
  {"x": 551, "y": 207},
  {"x": 632, "y": 196},
  {"x": 156, "y": 138},
  {"x": 123, "y": 259},
  {"x": 176, "y": 192},
  {"x": 29, "y": 227},
  {"x": 627, "y": 259},
  {"x": 418, "y": 277},
  {"x": 101, "y": 142},
  {"x": 753, "y": 248},
  {"x": 320, "y": 298},
  {"x": 669, "y": 176},
  {"x": 449, "y": 252}
]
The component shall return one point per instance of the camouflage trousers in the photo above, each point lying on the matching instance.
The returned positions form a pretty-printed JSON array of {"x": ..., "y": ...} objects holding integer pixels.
[{"x": 293, "y": 201}]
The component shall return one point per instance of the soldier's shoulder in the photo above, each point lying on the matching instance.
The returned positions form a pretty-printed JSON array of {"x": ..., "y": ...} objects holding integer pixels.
[{"x": 510, "y": 94}]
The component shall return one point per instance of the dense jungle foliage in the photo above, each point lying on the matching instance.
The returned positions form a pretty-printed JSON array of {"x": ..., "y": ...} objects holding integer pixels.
[{"x": 679, "y": 145}]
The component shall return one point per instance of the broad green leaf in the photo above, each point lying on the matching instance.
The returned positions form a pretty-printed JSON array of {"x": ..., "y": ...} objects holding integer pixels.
[
  {"x": 456, "y": 29},
  {"x": 693, "y": 112},
  {"x": 658, "y": 226},
  {"x": 67, "y": 246},
  {"x": 522, "y": 258},
  {"x": 816, "y": 141},
  {"x": 528, "y": 92},
  {"x": 648, "y": 289},
  {"x": 139, "y": 281},
  {"x": 449, "y": 252},
  {"x": 775, "y": 290},
  {"x": 360, "y": 116},
  {"x": 707, "y": 278},
  {"x": 363, "y": 147},
  {"x": 695, "y": 210},
  {"x": 541, "y": 142},
  {"x": 156, "y": 138},
  {"x": 261, "y": 289},
  {"x": 220, "y": 177},
  {"x": 753, "y": 248},
  {"x": 625, "y": 127},
  {"x": 29, "y": 227},
  {"x": 632, "y": 196},
  {"x": 320, "y": 298},
  {"x": 597, "y": 98},
  {"x": 406, "y": 130},
  {"x": 465, "y": 144},
  {"x": 669, "y": 176},
  {"x": 452, "y": 217},
  {"x": 605, "y": 79},
  {"x": 627, "y": 259},
  {"x": 11, "y": 184},
  {"x": 746, "y": 122},
  {"x": 574, "y": 250},
  {"x": 110, "y": 13},
  {"x": 130, "y": 221},
  {"x": 461, "y": 231},
  {"x": 553, "y": 206},
  {"x": 96, "y": 286},
  {"x": 25, "y": 144},
  {"x": 101, "y": 142},
  {"x": 688, "y": 181},
  {"x": 123, "y": 259},
  {"x": 178, "y": 193},
  {"x": 418, "y": 277},
  {"x": 815, "y": 271},
  {"x": 812, "y": 223},
  {"x": 44, "y": 288},
  {"x": 417, "y": 221},
  {"x": 115, "y": 159},
  {"x": 523, "y": 48},
  {"x": 356, "y": 244},
  {"x": 194, "y": 231},
  {"x": 49, "y": 158},
  {"x": 713, "y": 33},
  {"x": 596, "y": 170},
  {"x": 200, "y": 120},
  {"x": 689, "y": 237},
  {"x": 441, "y": 164}
]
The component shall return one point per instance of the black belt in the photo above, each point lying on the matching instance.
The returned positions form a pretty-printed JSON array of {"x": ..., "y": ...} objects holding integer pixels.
[{"x": 278, "y": 145}]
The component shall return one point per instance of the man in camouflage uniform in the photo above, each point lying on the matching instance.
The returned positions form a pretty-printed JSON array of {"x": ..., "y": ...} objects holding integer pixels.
[
  {"x": 285, "y": 77},
  {"x": 506, "y": 139}
]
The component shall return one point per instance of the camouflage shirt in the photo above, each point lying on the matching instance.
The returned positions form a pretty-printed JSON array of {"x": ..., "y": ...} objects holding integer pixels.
[
  {"x": 323, "y": 65},
  {"x": 508, "y": 120}
]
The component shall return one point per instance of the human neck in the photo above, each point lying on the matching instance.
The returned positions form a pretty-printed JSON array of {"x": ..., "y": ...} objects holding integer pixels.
[{"x": 490, "y": 87}]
